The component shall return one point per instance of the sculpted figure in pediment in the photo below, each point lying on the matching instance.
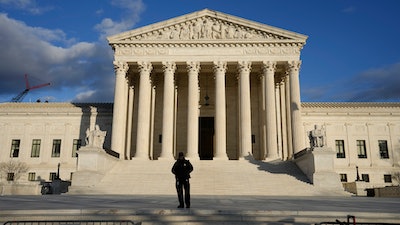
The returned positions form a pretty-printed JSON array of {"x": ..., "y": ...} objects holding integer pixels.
[
  {"x": 196, "y": 29},
  {"x": 204, "y": 28}
]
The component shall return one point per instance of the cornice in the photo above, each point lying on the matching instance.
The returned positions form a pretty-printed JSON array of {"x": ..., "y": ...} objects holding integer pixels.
[
  {"x": 350, "y": 105},
  {"x": 59, "y": 107},
  {"x": 203, "y": 44}
]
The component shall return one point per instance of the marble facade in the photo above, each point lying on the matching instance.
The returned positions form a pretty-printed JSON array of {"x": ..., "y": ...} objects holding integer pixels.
[
  {"x": 214, "y": 86},
  {"x": 163, "y": 72}
]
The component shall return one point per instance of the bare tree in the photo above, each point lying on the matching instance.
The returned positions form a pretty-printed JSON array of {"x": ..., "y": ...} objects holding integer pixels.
[{"x": 14, "y": 167}]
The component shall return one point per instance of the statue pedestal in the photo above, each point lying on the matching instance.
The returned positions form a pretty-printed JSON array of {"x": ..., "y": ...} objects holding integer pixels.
[
  {"x": 93, "y": 163},
  {"x": 318, "y": 166}
]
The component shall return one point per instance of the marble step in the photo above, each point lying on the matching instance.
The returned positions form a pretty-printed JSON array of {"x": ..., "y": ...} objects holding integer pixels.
[{"x": 210, "y": 177}]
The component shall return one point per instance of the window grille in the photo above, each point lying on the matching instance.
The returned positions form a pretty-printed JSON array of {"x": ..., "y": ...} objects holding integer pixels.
[
  {"x": 31, "y": 176},
  {"x": 361, "y": 149},
  {"x": 387, "y": 178},
  {"x": 35, "y": 148},
  {"x": 340, "y": 153},
  {"x": 56, "y": 148},
  {"x": 15, "y": 148},
  {"x": 365, "y": 177},
  {"x": 10, "y": 176},
  {"x": 76, "y": 146},
  {"x": 383, "y": 149}
]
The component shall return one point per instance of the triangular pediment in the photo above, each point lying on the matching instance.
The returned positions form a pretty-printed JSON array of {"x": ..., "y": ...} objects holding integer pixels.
[{"x": 207, "y": 25}]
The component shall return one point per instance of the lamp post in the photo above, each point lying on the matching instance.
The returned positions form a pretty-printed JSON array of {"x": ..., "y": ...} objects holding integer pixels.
[
  {"x": 358, "y": 175},
  {"x": 58, "y": 171}
]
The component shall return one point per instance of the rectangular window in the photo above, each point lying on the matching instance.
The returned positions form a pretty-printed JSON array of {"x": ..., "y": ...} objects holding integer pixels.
[
  {"x": 56, "y": 148},
  {"x": 340, "y": 153},
  {"x": 361, "y": 149},
  {"x": 343, "y": 177},
  {"x": 383, "y": 149},
  {"x": 52, "y": 176},
  {"x": 31, "y": 176},
  {"x": 387, "y": 178},
  {"x": 35, "y": 148},
  {"x": 365, "y": 177},
  {"x": 10, "y": 176},
  {"x": 75, "y": 147},
  {"x": 15, "y": 148}
]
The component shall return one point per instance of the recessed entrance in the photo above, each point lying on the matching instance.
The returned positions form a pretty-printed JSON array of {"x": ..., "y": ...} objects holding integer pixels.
[{"x": 206, "y": 138}]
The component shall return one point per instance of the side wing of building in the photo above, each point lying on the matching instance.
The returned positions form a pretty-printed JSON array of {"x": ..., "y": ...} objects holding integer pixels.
[
  {"x": 364, "y": 135},
  {"x": 43, "y": 135}
]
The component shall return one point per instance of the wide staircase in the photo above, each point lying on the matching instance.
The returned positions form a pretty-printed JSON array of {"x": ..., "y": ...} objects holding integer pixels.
[{"x": 210, "y": 177}]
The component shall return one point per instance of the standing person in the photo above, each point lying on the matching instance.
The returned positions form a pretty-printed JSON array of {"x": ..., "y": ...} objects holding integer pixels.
[{"x": 182, "y": 169}]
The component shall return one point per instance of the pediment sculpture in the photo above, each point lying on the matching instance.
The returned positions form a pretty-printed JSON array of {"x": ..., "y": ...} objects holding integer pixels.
[{"x": 206, "y": 28}]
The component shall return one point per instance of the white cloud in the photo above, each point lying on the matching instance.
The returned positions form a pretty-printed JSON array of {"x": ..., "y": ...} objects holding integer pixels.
[
  {"x": 378, "y": 84},
  {"x": 85, "y": 95},
  {"x": 25, "y": 5},
  {"x": 131, "y": 10},
  {"x": 374, "y": 85},
  {"x": 29, "y": 50}
]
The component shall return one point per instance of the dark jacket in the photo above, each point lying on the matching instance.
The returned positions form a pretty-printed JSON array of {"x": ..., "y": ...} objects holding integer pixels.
[{"x": 182, "y": 169}]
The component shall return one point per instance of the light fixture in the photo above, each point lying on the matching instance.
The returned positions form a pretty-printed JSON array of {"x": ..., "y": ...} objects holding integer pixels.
[{"x": 206, "y": 98}]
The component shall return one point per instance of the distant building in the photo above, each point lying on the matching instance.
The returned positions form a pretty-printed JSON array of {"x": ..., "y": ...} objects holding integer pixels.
[{"x": 214, "y": 86}]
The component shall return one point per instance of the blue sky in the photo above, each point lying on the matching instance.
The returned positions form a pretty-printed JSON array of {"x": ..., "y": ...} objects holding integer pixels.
[{"x": 352, "y": 53}]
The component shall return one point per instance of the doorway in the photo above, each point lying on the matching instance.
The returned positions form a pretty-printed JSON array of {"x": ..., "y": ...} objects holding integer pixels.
[{"x": 206, "y": 138}]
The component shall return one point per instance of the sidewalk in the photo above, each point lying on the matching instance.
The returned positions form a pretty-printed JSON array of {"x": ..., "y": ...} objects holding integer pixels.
[{"x": 204, "y": 208}]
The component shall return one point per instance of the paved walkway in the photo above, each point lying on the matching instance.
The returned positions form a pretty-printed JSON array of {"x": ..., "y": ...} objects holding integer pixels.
[{"x": 59, "y": 205}]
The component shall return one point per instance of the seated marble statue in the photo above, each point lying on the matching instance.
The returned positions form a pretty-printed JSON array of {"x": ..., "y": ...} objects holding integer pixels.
[
  {"x": 95, "y": 138},
  {"x": 317, "y": 137}
]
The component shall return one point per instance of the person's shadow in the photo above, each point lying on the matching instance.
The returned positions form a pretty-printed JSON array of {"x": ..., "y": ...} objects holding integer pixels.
[{"x": 279, "y": 167}]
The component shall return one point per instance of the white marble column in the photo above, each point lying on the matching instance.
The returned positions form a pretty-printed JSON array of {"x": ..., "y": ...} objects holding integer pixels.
[
  {"x": 220, "y": 111},
  {"x": 245, "y": 109},
  {"x": 168, "y": 111},
  {"x": 283, "y": 116},
  {"x": 295, "y": 106},
  {"x": 193, "y": 69},
  {"x": 152, "y": 112},
  {"x": 119, "y": 112},
  {"x": 288, "y": 118},
  {"x": 278, "y": 120},
  {"x": 262, "y": 118},
  {"x": 269, "y": 73},
  {"x": 131, "y": 94},
  {"x": 143, "y": 126}
]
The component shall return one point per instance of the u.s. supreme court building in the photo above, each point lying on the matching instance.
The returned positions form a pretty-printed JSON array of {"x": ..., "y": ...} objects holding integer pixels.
[{"x": 225, "y": 91}]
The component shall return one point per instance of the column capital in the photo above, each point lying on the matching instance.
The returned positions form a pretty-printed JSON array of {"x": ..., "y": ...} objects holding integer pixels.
[
  {"x": 294, "y": 65},
  {"x": 169, "y": 67},
  {"x": 120, "y": 66},
  {"x": 220, "y": 66},
  {"x": 268, "y": 66},
  {"x": 244, "y": 66},
  {"x": 144, "y": 66},
  {"x": 193, "y": 66}
]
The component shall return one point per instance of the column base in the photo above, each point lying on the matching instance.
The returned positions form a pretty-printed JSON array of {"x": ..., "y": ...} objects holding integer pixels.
[
  {"x": 165, "y": 158},
  {"x": 140, "y": 158},
  {"x": 270, "y": 158},
  {"x": 221, "y": 158}
]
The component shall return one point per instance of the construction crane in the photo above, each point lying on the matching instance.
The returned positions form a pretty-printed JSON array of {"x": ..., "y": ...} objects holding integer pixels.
[{"x": 21, "y": 95}]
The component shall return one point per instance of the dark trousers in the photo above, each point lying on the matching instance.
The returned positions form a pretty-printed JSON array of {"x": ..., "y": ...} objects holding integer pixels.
[{"x": 180, "y": 185}]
